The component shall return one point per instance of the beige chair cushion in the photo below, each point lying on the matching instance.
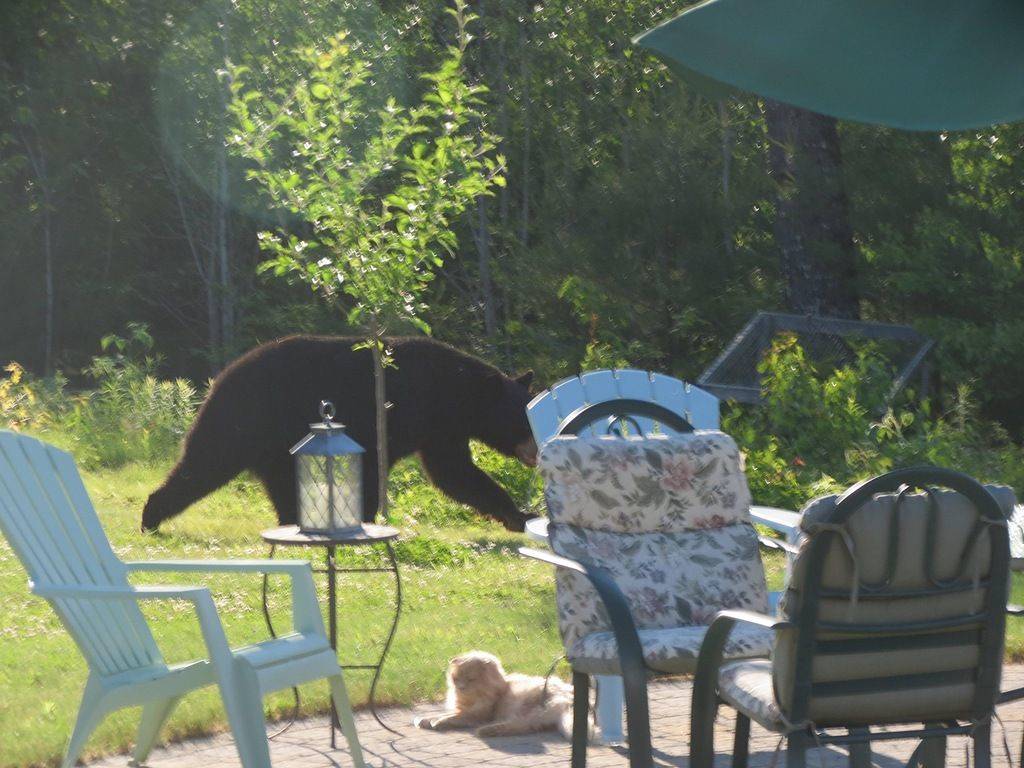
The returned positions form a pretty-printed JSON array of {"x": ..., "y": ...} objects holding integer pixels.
[
  {"x": 747, "y": 687},
  {"x": 667, "y": 651},
  {"x": 943, "y": 652}
]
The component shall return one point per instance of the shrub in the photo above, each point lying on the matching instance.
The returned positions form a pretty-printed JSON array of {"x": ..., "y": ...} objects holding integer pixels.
[
  {"x": 416, "y": 500},
  {"x": 818, "y": 432},
  {"x": 130, "y": 415}
]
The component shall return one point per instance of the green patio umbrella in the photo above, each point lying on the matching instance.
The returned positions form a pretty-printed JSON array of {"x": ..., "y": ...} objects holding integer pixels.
[{"x": 925, "y": 65}]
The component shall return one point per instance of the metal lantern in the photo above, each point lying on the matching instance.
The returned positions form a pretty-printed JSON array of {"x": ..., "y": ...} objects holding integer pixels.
[{"x": 329, "y": 470}]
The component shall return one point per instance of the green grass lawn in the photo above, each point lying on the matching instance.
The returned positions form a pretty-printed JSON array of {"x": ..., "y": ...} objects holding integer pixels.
[{"x": 465, "y": 588}]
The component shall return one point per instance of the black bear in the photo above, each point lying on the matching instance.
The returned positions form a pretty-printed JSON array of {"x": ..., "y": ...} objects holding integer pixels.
[{"x": 440, "y": 398}]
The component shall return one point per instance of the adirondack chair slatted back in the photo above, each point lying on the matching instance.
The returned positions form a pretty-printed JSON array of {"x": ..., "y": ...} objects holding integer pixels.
[
  {"x": 639, "y": 403},
  {"x": 898, "y": 596},
  {"x": 46, "y": 516}
]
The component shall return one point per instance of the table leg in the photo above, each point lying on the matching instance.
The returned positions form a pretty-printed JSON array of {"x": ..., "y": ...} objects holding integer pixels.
[
  {"x": 393, "y": 561},
  {"x": 332, "y": 623}
]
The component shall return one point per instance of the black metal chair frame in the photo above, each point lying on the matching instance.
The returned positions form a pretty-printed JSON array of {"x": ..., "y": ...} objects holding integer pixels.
[{"x": 990, "y": 623}]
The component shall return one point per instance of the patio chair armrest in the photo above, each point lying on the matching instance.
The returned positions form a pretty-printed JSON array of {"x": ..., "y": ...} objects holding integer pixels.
[
  {"x": 726, "y": 619},
  {"x": 631, "y": 654},
  {"x": 305, "y": 608},
  {"x": 705, "y": 679},
  {"x": 712, "y": 650}
]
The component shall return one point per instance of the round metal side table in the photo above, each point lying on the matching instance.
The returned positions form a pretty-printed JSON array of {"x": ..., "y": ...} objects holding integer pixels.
[{"x": 368, "y": 535}]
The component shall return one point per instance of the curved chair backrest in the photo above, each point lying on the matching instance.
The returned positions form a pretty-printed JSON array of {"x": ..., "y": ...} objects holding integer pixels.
[
  {"x": 46, "y": 515},
  {"x": 624, "y": 402},
  {"x": 667, "y": 517},
  {"x": 898, "y": 595}
]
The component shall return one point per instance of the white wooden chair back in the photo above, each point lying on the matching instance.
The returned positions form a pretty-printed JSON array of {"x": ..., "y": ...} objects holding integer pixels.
[
  {"x": 47, "y": 517},
  {"x": 607, "y": 401}
]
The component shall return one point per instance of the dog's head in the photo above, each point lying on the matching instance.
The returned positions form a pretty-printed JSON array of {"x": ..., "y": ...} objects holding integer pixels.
[{"x": 474, "y": 676}]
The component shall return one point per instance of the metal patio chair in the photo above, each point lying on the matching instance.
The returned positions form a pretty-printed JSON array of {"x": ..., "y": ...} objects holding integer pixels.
[
  {"x": 46, "y": 515},
  {"x": 637, "y": 403},
  {"x": 894, "y": 615},
  {"x": 651, "y": 537}
]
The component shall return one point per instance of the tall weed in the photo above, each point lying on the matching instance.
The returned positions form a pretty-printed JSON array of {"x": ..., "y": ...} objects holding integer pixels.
[{"x": 130, "y": 415}]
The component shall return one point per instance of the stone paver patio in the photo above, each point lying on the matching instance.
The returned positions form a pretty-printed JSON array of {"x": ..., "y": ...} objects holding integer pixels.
[{"x": 307, "y": 745}]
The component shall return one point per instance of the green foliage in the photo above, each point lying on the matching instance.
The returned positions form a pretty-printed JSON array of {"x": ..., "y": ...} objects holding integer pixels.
[
  {"x": 417, "y": 503},
  {"x": 461, "y": 589},
  {"x": 379, "y": 184},
  {"x": 636, "y": 217},
  {"x": 130, "y": 416},
  {"x": 819, "y": 433}
]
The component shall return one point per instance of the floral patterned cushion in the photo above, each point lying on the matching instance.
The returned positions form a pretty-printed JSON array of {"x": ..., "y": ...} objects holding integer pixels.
[
  {"x": 672, "y": 651},
  {"x": 640, "y": 485},
  {"x": 747, "y": 687},
  {"x": 667, "y": 517}
]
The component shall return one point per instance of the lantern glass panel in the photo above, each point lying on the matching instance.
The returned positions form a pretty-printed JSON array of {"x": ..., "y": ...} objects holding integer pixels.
[{"x": 330, "y": 492}]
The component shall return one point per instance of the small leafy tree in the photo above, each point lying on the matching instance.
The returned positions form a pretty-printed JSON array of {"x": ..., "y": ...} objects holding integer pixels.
[{"x": 379, "y": 186}]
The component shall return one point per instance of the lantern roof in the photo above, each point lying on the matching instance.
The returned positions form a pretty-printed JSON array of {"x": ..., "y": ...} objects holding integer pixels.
[{"x": 326, "y": 439}]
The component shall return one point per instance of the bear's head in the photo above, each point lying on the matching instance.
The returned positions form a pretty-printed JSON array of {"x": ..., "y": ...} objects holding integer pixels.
[{"x": 501, "y": 419}]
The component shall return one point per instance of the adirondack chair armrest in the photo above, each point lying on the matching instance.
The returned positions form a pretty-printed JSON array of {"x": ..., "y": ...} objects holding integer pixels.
[
  {"x": 92, "y": 592},
  {"x": 773, "y": 543},
  {"x": 631, "y": 655},
  {"x": 291, "y": 567},
  {"x": 306, "y": 616},
  {"x": 206, "y": 611},
  {"x": 559, "y": 561}
]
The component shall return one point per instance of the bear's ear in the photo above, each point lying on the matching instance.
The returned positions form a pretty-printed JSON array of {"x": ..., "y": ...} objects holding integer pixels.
[{"x": 525, "y": 379}]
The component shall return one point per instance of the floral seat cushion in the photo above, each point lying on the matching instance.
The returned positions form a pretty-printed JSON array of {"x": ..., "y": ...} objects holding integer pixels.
[
  {"x": 668, "y": 519},
  {"x": 673, "y": 650},
  {"x": 746, "y": 686}
]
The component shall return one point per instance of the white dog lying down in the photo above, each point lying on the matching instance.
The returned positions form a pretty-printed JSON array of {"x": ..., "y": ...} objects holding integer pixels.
[{"x": 482, "y": 695}]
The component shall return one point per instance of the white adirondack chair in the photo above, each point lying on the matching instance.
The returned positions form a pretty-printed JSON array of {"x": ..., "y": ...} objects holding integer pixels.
[
  {"x": 623, "y": 393},
  {"x": 637, "y": 403},
  {"x": 640, "y": 403},
  {"x": 48, "y": 519}
]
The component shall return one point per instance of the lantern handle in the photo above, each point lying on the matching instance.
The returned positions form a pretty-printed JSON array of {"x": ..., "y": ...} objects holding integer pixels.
[{"x": 327, "y": 411}]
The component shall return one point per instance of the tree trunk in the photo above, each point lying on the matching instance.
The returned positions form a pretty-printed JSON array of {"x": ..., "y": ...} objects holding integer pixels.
[
  {"x": 222, "y": 212},
  {"x": 812, "y": 226},
  {"x": 381, "y": 406},
  {"x": 50, "y": 303},
  {"x": 727, "y": 139},
  {"x": 524, "y": 213},
  {"x": 203, "y": 254},
  {"x": 482, "y": 232},
  {"x": 37, "y": 159},
  {"x": 222, "y": 240}
]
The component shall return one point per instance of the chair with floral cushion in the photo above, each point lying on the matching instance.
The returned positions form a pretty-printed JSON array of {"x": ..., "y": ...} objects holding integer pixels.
[
  {"x": 894, "y": 615},
  {"x": 652, "y": 538}
]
